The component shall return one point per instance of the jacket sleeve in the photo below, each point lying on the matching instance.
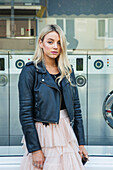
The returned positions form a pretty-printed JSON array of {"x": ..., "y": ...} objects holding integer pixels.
[
  {"x": 26, "y": 101},
  {"x": 78, "y": 121}
]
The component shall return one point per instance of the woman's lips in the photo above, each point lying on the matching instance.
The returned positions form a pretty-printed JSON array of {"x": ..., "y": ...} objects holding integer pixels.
[{"x": 54, "y": 52}]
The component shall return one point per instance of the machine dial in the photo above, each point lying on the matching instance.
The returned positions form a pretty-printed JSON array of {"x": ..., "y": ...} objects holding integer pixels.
[
  {"x": 20, "y": 64},
  {"x": 98, "y": 64},
  {"x": 80, "y": 80},
  {"x": 3, "y": 80},
  {"x": 108, "y": 109}
]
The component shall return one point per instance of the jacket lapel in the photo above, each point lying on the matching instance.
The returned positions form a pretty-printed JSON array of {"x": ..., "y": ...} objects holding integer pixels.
[{"x": 47, "y": 78}]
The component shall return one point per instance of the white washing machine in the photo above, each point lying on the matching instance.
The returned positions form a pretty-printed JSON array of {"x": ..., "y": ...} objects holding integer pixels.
[
  {"x": 4, "y": 99},
  {"x": 79, "y": 62},
  {"x": 11, "y": 64},
  {"x": 100, "y": 98},
  {"x": 94, "y": 77}
]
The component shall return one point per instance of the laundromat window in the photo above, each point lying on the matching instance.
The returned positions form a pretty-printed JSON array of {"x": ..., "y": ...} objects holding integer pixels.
[
  {"x": 79, "y": 64},
  {"x": 2, "y": 67}
]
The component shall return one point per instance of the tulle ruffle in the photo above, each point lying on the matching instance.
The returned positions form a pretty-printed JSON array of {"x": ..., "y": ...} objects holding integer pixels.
[{"x": 59, "y": 145}]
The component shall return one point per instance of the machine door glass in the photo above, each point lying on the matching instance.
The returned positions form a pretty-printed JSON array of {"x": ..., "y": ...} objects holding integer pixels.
[{"x": 108, "y": 109}]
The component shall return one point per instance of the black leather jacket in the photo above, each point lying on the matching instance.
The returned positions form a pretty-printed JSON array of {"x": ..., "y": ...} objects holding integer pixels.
[{"x": 39, "y": 98}]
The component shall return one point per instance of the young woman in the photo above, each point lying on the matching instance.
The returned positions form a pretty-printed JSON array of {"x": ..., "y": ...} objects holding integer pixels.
[{"x": 50, "y": 112}]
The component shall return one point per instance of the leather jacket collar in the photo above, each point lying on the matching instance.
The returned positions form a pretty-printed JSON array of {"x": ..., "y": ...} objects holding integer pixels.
[{"x": 46, "y": 78}]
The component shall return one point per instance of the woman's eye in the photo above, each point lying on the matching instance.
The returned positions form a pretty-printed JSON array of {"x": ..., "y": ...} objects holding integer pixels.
[{"x": 50, "y": 42}]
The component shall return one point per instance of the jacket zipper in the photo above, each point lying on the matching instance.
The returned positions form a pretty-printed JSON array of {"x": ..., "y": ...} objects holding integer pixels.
[{"x": 60, "y": 100}]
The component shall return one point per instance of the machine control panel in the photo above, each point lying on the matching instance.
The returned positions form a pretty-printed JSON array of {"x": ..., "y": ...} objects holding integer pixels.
[
  {"x": 79, "y": 63},
  {"x": 100, "y": 64},
  {"x": 17, "y": 62}
]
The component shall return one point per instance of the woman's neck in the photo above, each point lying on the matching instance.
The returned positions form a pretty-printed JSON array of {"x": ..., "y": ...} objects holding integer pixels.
[
  {"x": 51, "y": 66},
  {"x": 50, "y": 62}
]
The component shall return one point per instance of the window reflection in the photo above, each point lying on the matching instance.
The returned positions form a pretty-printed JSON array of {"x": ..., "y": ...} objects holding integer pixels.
[
  {"x": 19, "y": 28},
  {"x": 81, "y": 33}
]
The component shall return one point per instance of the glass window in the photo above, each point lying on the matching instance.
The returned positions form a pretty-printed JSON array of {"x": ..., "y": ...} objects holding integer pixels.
[
  {"x": 110, "y": 28},
  {"x": 101, "y": 28},
  {"x": 21, "y": 28},
  {"x": 2, "y": 28},
  {"x": 105, "y": 28},
  {"x": 88, "y": 27},
  {"x": 24, "y": 28}
]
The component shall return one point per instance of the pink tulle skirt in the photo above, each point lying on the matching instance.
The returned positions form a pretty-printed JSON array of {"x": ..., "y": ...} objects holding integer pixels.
[{"x": 59, "y": 145}]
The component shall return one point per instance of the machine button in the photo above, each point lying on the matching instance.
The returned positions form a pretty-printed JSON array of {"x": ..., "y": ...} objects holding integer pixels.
[
  {"x": 20, "y": 64},
  {"x": 80, "y": 80},
  {"x": 3, "y": 80},
  {"x": 98, "y": 64}
]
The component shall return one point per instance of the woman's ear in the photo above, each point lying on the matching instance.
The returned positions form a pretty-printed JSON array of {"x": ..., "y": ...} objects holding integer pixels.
[{"x": 40, "y": 43}]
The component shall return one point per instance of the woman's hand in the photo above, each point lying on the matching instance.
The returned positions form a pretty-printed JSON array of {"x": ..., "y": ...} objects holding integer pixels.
[
  {"x": 82, "y": 151},
  {"x": 38, "y": 159}
]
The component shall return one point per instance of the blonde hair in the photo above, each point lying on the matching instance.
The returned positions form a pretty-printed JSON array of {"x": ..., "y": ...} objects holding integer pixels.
[{"x": 62, "y": 60}]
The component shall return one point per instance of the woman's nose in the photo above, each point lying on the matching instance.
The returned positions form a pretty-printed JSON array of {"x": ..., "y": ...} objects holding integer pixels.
[{"x": 55, "y": 45}]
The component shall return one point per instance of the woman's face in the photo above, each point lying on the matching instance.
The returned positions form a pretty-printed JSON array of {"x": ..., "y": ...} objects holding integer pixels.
[{"x": 51, "y": 45}]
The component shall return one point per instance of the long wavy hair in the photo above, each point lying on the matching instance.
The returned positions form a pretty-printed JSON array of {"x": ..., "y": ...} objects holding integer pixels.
[{"x": 62, "y": 60}]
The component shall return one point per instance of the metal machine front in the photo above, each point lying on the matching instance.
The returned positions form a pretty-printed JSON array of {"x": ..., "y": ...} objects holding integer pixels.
[
  {"x": 100, "y": 99},
  {"x": 10, "y": 67},
  {"x": 79, "y": 62},
  {"x": 4, "y": 100},
  {"x": 94, "y": 78}
]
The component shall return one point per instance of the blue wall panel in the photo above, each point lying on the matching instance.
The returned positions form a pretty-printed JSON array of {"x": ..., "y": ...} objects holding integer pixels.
[{"x": 78, "y": 7}]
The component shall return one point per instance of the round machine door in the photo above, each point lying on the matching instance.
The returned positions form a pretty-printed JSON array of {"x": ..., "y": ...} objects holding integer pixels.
[{"x": 108, "y": 109}]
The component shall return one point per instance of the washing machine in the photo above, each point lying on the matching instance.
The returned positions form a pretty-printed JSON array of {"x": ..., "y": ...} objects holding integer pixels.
[
  {"x": 100, "y": 98},
  {"x": 11, "y": 65},
  {"x": 4, "y": 99},
  {"x": 78, "y": 60}
]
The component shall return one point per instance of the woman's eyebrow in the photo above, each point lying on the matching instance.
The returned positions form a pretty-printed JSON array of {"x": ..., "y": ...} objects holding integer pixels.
[{"x": 52, "y": 39}]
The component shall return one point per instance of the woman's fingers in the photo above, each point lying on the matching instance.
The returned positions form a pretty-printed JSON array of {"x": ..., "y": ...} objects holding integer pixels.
[
  {"x": 38, "y": 159},
  {"x": 38, "y": 166},
  {"x": 83, "y": 151}
]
